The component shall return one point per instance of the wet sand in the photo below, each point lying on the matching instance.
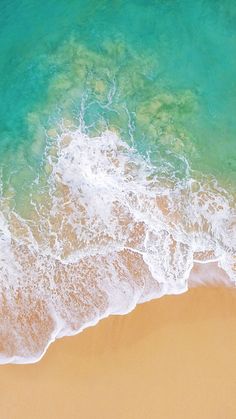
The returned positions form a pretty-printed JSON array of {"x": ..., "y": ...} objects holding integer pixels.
[{"x": 170, "y": 358}]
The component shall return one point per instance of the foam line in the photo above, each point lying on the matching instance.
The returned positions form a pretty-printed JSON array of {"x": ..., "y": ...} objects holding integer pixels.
[{"x": 104, "y": 232}]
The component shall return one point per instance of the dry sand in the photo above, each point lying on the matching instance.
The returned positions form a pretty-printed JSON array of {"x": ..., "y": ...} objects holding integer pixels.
[{"x": 169, "y": 359}]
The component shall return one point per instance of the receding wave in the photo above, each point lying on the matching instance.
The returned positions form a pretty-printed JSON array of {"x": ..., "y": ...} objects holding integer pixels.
[{"x": 104, "y": 230}]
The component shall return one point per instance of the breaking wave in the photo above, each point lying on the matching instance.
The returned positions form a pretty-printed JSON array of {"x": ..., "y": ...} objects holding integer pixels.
[{"x": 104, "y": 230}]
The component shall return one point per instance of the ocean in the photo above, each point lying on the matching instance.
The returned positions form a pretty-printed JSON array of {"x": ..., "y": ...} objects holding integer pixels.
[{"x": 117, "y": 160}]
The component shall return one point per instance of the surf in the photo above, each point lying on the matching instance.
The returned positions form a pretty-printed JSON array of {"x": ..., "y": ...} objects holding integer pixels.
[
  {"x": 104, "y": 233},
  {"x": 117, "y": 161}
]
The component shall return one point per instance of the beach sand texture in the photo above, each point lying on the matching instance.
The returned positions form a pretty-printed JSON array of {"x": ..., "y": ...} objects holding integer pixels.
[{"x": 170, "y": 358}]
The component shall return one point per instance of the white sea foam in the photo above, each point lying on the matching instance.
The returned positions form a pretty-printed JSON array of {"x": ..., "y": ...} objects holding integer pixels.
[{"x": 104, "y": 233}]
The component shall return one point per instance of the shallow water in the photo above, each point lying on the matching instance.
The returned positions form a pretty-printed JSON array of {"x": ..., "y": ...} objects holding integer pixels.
[{"x": 118, "y": 159}]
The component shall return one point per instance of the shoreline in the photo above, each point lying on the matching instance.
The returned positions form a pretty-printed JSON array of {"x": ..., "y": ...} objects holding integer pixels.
[
  {"x": 168, "y": 358},
  {"x": 197, "y": 278}
]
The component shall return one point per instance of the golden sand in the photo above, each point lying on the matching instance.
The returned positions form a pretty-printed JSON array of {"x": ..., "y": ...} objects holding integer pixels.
[{"x": 173, "y": 358}]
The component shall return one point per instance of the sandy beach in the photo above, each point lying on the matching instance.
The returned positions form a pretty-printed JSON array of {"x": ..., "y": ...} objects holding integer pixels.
[
  {"x": 170, "y": 358},
  {"x": 117, "y": 188}
]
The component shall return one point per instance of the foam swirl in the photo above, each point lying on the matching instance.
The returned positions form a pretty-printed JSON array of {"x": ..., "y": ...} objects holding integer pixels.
[{"x": 105, "y": 230}]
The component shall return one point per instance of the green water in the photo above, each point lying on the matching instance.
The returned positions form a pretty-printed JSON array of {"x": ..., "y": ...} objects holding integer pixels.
[
  {"x": 89, "y": 228},
  {"x": 160, "y": 72}
]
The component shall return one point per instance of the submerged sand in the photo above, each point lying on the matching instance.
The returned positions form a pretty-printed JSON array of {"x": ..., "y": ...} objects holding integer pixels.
[{"x": 170, "y": 358}]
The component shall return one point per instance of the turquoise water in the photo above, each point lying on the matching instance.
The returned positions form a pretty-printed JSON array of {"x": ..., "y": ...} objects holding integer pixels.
[
  {"x": 178, "y": 48},
  {"x": 117, "y": 158}
]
